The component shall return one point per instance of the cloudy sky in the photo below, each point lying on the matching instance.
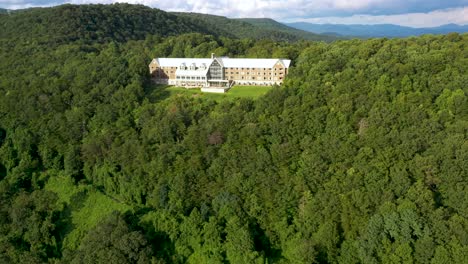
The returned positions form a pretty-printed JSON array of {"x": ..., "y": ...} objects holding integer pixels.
[{"x": 416, "y": 13}]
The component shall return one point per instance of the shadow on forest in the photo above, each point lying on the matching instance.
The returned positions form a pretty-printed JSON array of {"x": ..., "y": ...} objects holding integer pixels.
[
  {"x": 156, "y": 92},
  {"x": 162, "y": 245},
  {"x": 262, "y": 242},
  {"x": 3, "y": 172},
  {"x": 65, "y": 224},
  {"x": 2, "y": 136}
]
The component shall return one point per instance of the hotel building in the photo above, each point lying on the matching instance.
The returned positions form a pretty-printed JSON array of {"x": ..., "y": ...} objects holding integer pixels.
[{"x": 218, "y": 71}]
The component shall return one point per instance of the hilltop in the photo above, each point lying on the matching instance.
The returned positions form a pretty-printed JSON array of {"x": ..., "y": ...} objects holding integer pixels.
[
  {"x": 92, "y": 23},
  {"x": 123, "y": 22}
]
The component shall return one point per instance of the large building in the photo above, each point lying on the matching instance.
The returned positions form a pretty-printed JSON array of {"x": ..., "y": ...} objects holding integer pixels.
[{"x": 218, "y": 71}]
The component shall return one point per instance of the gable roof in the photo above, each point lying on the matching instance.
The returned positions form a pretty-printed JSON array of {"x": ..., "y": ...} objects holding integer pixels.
[
  {"x": 201, "y": 73},
  {"x": 224, "y": 61},
  {"x": 176, "y": 62},
  {"x": 253, "y": 63}
]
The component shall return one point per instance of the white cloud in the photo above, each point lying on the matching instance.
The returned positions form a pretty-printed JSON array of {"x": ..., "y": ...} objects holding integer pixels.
[{"x": 431, "y": 19}]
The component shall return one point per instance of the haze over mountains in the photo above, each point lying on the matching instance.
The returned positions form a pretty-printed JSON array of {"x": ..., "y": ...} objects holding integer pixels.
[{"x": 380, "y": 30}]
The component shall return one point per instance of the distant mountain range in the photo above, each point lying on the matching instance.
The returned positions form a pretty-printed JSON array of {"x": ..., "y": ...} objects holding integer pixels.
[
  {"x": 271, "y": 25},
  {"x": 381, "y": 30}
]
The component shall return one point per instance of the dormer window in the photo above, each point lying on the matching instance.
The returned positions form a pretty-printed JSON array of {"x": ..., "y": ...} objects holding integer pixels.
[
  {"x": 183, "y": 66},
  {"x": 203, "y": 66},
  {"x": 192, "y": 66}
]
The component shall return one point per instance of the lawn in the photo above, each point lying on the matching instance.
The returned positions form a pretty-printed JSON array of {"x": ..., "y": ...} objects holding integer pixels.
[
  {"x": 248, "y": 91},
  {"x": 254, "y": 92}
]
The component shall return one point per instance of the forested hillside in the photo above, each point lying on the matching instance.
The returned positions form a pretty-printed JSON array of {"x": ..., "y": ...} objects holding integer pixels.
[
  {"x": 360, "y": 157},
  {"x": 270, "y": 24},
  {"x": 92, "y": 23},
  {"x": 124, "y": 22},
  {"x": 252, "y": 28}
]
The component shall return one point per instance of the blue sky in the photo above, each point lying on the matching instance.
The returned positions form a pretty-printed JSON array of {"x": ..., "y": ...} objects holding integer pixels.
[{"x": 416, "y": 13}]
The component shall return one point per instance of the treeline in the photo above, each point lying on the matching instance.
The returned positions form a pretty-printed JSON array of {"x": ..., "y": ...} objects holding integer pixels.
[{"x": 361, "y": 157}]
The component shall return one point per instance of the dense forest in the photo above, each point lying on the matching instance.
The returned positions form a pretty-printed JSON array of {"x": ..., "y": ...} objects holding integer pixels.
[
  {"x": 123, "y": 22},
  {"x": 252, "y": 28},
  {"x": 360, "y": 157}
]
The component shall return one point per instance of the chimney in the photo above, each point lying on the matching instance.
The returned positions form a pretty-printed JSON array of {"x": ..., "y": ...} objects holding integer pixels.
[{"x": 212, "y": 55}]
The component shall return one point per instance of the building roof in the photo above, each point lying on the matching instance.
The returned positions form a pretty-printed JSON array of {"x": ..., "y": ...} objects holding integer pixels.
[
  {"x": 176, "y": 62},
  {"x": 253, "y": 63},
  {"x": 195, "y": 73},
  {"x": 225, "y": 61}
]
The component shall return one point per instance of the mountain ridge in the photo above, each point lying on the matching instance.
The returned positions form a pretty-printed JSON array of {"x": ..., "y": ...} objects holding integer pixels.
[
  {"x": 378, "y": 30},
  {"x": 252, "y": 28},
  {"x": 272, "y": 24},
  {"x": 122, "y": 22}
]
